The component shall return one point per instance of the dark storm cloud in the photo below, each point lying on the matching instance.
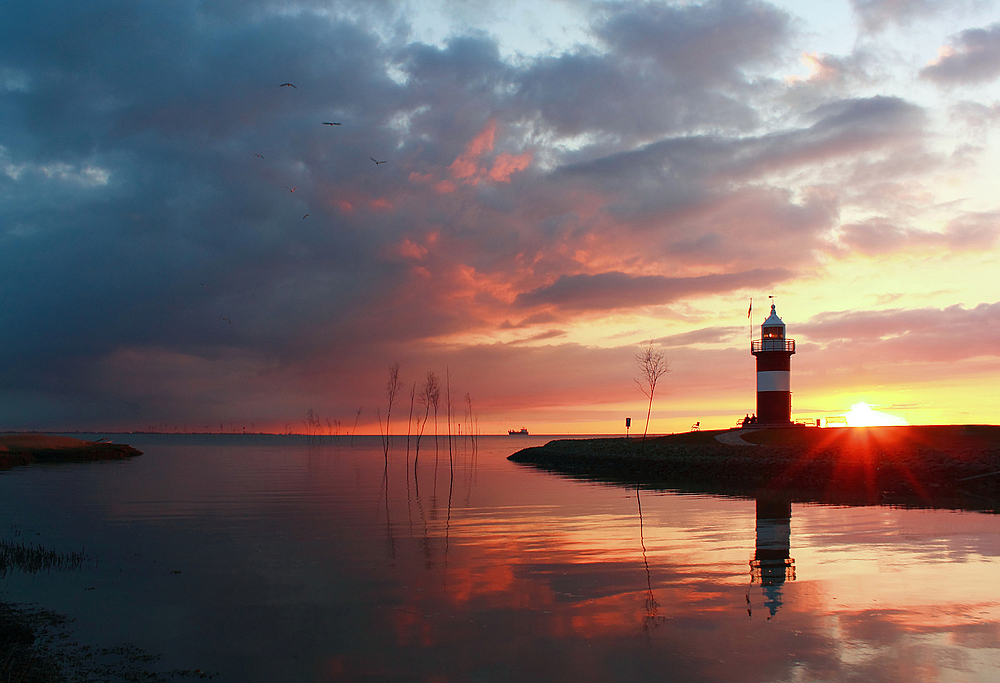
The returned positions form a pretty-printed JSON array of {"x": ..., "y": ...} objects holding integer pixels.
[
  {"x": 973, "y": 57},
  {"x": 151, "y": 246},
  {"x": 189, "y": 226},
  {"x": 606, "y": 291}
]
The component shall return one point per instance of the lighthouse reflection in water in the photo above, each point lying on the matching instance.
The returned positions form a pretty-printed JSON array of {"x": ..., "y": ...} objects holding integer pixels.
[{"x": 771, "y": 565}]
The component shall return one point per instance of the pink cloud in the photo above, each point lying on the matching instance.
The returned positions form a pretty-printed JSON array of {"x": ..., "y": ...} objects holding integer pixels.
[
  {"x": 412, "y": 251},
  {"x": 420, "y": 178},
  {"x": 466, "y": 165},
  {"x": 508, "y": 164},
  {"x": 472, "y": 165}
]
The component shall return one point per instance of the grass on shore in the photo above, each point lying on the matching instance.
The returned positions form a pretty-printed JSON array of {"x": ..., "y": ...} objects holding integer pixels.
[{"x": 24, "y": 449}]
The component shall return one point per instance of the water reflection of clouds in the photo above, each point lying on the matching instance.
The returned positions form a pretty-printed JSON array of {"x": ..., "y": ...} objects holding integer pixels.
[
  {"x": 537, "y": 577},
  {"x": 578, "y": 578},
  {"x": 826, "y": 622}
]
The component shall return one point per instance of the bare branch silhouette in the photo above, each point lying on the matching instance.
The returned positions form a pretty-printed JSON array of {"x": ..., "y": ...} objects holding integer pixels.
[
  {"x": 652, "y": 366},
  {"x": 391, "y": 389}
]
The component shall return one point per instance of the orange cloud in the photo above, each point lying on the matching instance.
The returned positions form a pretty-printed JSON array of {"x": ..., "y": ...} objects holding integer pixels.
[
  {"x": 508, "y": 164},
  {"x": 445, "y": 187},
  {"x": 413, "y": 251},
  {"x": 472, "y": 166},
  {"x": 466, "y": 165}
]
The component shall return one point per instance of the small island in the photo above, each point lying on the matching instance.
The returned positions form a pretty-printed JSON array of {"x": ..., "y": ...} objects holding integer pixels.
[
  {"x": 25, "y": 449},
  {"x": 944, "y": 466}
]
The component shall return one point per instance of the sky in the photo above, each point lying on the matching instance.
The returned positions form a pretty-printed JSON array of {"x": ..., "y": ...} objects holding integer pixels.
[{"x": 184, "y": 245}]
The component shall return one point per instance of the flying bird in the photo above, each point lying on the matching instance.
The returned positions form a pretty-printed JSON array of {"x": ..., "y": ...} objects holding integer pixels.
[
  {"x": 291, "y": 189},
  {"x": 258, "y": 155},
  {"x": 283, "y": 85},
  {"x": 227, "y": 320},
  {"x": 377, "y": 162},
  {"x": 328, "y": 123},
  {"x": 306, "y": 216}
]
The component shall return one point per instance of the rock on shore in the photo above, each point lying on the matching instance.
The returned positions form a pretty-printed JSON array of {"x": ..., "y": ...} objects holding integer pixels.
[{"x": 947, "y": 466}]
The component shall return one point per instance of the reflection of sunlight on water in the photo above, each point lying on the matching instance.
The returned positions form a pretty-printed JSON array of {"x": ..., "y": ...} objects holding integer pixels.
[{"x": 862, "y": 415}]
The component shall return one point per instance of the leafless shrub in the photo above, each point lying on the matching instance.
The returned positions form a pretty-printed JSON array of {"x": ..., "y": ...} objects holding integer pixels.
[{"x": 652, "y": 366}]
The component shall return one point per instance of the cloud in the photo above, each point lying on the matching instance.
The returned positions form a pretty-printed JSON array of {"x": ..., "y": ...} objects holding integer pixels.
[
  {"x": 976, "y": 116},
  {"x": 477, "y": 163},
  {"x": 541, "y": 336},
  {"x": 876, "y": 15},
  {"x": 926, "y": 335},
  {"x": 972, "y": 57},
  {"x": 832, "y": 75},
  {"x": 708, "y": 43},
  {"x": 466, "y": 165},
  {"x": 662, "y": 69},
  {"x": 705, "y": 335},
  {"x": 840, "y": 129},
  {"x": 878, "y": 236},
  {"x": 615, "y": 290},
  {"x": 148, "y": 157}
]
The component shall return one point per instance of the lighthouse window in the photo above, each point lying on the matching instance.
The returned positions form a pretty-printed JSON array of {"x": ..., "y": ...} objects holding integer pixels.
[{"x": 772, "y": 333}]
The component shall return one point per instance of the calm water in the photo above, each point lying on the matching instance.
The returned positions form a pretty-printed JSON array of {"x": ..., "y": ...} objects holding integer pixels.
[{"x": 269, "y": 559}]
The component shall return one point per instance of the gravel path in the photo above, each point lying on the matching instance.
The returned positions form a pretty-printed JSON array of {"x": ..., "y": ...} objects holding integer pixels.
[{"x": 735, "y": 438}]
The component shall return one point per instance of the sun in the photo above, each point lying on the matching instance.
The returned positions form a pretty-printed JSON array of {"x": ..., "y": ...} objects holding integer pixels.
[{"x": 862, "y": 415}]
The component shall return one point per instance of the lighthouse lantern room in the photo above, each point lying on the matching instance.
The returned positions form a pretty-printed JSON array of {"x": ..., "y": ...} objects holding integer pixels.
[{"x": 774, "y": 353}]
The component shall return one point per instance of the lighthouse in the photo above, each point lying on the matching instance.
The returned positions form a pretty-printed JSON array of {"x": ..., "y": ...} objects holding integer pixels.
[
  {"x": 772, "y": 564},
  {"x": 774, "y": 359}
]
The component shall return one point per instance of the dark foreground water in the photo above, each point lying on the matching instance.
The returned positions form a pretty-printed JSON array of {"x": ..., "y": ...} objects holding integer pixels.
[{"x": 272, "y": 559}]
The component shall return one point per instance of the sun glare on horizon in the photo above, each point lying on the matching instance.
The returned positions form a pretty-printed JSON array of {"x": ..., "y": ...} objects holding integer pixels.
[{"x": 862, "y": 415}]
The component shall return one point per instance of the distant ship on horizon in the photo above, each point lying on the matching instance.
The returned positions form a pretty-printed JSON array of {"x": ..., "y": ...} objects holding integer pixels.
[{"x": 523, "y": 431}]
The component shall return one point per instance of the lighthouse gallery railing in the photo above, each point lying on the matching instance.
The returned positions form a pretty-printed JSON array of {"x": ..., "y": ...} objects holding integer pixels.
[{"x": 758, "y": 345}]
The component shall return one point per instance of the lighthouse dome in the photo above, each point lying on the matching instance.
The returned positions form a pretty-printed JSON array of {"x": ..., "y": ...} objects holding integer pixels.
[{"x": 772, "y": 328}]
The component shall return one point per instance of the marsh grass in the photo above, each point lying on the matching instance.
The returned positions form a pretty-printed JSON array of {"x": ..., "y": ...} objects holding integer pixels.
[
  {"x": 30, "y": 559},
  {"x": 36, "y": 645}
]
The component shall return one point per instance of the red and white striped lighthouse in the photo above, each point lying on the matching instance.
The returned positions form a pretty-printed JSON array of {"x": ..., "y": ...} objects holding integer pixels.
[{"x": 774, "y": 360}]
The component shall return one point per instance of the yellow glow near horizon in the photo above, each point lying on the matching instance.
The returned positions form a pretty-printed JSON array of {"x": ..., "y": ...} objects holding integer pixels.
[{"x": 862, "y": 415}]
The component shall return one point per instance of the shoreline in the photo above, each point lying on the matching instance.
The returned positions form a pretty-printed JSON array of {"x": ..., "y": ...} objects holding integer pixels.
[
  {"x": 937, "y": 466},
  {"x": 20, "y": 449}
]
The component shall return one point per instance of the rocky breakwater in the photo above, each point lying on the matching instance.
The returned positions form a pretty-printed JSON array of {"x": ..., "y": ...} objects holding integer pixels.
[
  {"x": 946, "y": 466},
  {"x": 24, "y": 449}
]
